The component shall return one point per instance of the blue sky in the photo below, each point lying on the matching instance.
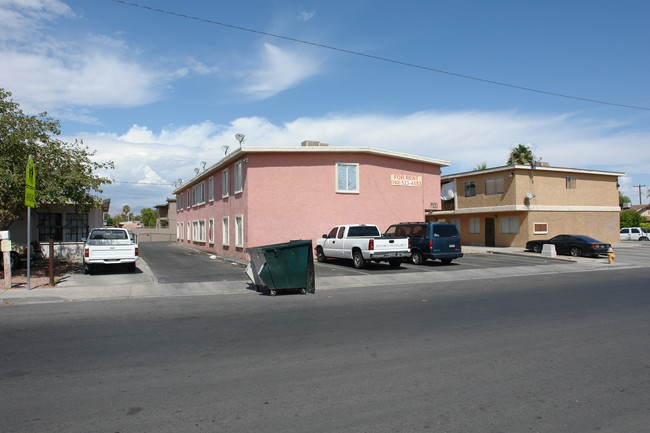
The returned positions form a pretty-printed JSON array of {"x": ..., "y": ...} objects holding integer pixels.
[{"x": 158, "y": 93}]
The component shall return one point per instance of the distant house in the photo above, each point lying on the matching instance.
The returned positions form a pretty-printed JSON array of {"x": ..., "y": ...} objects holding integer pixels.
[
  {"x": 60, "y": 223},
  {"x": 166, "y": 214},
  {"x": 263, "y": 195},
  {"x": 643, "y": 210},
  {"x": 510, "y": 205}
]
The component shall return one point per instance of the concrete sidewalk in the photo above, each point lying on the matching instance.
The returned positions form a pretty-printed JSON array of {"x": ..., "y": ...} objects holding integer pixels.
[{"x": 147, "y": 286}]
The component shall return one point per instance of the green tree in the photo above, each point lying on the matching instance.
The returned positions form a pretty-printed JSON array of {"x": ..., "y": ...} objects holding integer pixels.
[
  {"x": 623, "y": 198},
  {"x": 148, "y": 217},
  {"x": 481, "y": 166},
  {"x": 521, "y": 154},
  {"x": 126, "y": 212},
  {"x": 109, "y": 219},
  {"x": 64, "y": 171},
  {"x": 631, "y": 218}
]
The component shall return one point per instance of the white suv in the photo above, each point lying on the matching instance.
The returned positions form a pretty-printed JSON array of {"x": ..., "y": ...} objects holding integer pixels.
[{"x": 634, "y": 234}]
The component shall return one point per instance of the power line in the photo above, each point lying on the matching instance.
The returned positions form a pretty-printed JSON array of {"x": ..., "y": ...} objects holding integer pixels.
[{"x": 383, "y": 59}]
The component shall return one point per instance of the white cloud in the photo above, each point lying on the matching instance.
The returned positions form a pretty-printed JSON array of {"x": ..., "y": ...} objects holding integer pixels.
[
  {"x": 306, "y": 16},
  {"x": 466, "y": 139},
  {"x": 278, "y": 70},
  {"x": 65, "y": 76}
]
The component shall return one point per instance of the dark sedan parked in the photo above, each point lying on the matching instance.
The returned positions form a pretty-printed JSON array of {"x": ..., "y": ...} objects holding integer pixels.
[{"x": 574, "y": 245}]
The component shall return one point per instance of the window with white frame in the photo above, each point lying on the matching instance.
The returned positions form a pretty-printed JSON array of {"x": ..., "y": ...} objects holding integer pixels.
[
  {"x": 198, "y": 228},
  {"x": 210, "y": 231},
  {"x": 225, "y": 182},
  {"x": 211, "y": 188},
  {"x": 239, "y": 230},
  {"x": 494, "y": 186},
  {"x": 189, "y": 231},
  {"x": 179, "y": 230},
  {"x": 509, "y": 225},
  {"x": 179, "y": 202},
  {"x": 198, "y": 194},
  {"x": 540, "y": 228},
  {"x": 239, "y": 177},
  {"x": 347, "y": 177},
  {"x": 475, "y": 225},
  {"x": 188, "y": 198},
  {"x": 225, "y": 231}
]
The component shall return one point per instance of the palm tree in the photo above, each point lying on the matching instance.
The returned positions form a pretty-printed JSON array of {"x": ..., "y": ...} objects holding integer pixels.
[
  {"x": 126, "y": 210},
  {"x": 521, "y": 155},
  {"x": 481, "y": 166}
]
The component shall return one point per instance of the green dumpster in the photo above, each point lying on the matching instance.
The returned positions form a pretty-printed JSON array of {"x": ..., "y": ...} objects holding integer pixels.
[{"x": 286, "y": 266}]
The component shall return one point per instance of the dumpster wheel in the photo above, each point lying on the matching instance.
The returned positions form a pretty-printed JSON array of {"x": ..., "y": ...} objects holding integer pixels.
[{"x": 272, "y": 292}]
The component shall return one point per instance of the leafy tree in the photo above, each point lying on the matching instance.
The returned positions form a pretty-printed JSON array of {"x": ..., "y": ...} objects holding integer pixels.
[
  {"x": 148, "y": 217},
  {"x": 109, "y": 219},
  {"x": 64, "y": 171},
  {"x": 623, "y": 198},
  {"x": 481, "y": 166},
  {"x": 631, "y": 218},
  {"x": 521, "y": 154}
]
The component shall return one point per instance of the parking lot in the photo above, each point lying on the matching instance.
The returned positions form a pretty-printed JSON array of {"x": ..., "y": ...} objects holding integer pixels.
[{"x": 171, "y": 263}]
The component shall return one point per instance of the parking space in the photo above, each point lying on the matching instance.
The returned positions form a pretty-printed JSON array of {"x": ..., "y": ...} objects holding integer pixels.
[{"x": 339, "y": 268}]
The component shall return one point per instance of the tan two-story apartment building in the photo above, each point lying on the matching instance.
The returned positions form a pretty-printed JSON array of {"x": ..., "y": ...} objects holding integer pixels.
[{"x": 510, "y": 205}]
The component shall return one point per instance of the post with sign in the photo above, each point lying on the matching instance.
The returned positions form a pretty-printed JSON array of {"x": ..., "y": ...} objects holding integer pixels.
[
  {"x": 6, "y": 257},
  {"x": 30, "y": 202}
]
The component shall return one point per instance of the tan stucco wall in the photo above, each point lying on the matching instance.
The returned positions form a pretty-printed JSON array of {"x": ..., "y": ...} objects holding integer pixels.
[{"x": 603, "y": 226}]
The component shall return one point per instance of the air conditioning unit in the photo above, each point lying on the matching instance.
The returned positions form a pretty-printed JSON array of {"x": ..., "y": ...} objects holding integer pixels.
[{"x": 310, "y": 143}]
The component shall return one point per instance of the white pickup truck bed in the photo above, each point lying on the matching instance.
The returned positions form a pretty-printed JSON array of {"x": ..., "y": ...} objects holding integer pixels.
[{"x": 110, "y": 246}]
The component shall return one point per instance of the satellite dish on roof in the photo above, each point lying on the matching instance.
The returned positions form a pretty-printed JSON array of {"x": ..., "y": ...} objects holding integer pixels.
[
  {"x": 240, "y": 138},
  {"x": 448, "y": 190}
]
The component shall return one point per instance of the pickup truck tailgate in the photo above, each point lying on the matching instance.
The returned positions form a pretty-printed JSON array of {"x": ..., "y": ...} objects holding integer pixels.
[{"x": 388, "y": 244}]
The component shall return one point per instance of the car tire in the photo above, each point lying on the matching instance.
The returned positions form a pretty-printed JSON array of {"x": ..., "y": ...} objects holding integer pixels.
[
  {"x": 88, "y": 269},
  {"x": 357, "y": 259},
  {"x": 537, "y": 248},
  {"x": 417, "y": 258},
  {"x": 394, "y": 264},
  {"x": 643, "y": 238},
  {"x": 575, "y": 251},
  {"x": 320, "y": 256}
]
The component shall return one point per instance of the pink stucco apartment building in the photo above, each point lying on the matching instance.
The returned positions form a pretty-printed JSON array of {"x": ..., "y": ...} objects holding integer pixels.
[{"x": 264, "y": 195}]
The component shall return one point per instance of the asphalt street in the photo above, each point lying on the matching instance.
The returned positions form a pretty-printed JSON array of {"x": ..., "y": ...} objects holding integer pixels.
[{"x": 560, "y": 353}]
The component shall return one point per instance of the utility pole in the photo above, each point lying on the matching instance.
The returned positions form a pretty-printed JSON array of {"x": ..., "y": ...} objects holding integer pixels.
[{"x": 639, "y": 186}]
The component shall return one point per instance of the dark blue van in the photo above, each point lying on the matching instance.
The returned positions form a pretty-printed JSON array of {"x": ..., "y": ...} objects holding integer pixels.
[{"x": 429, "y": 240}]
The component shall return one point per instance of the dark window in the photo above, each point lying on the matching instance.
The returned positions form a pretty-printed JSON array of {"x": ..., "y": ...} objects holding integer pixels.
[
  {"x": 445, "y": 231},
  {"x": 76, "y": 227},
  {"x": 470, "y": 189},
  {"x": 50, "y": 226},
  {"x": 363, "y": 231},
  {"x": 341, "y": 231},
  {"x": 332, "y": 233}
]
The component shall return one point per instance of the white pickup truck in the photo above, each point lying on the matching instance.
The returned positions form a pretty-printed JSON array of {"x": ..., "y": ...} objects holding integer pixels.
[
  {"x": 110, "y": 246},
  {"x": 362, "y": 243}
]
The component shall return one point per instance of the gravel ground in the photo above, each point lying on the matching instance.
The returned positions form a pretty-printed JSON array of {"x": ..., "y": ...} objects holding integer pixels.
[{"x": 40, "y": 275}]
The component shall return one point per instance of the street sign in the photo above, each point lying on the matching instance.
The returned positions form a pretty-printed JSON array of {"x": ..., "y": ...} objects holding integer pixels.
[
  {"x": 30, "y": 178},
  {"x": 30, "y": 197},
  {"x": 30, "y": 184}
]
